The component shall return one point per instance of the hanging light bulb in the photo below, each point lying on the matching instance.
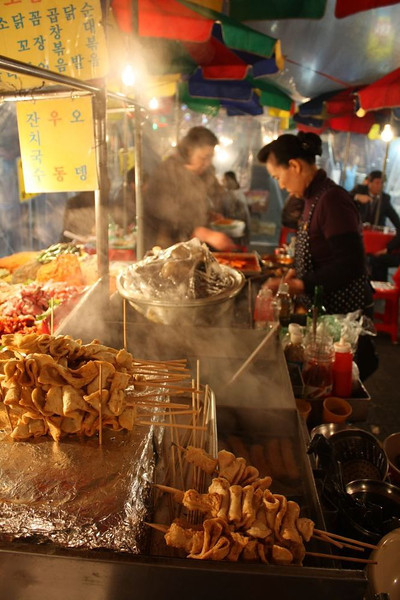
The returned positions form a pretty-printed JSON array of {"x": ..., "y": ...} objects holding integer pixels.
[
  {"x": 361, "y": 113},
  {"x": 387, "y": 133},
  {"x": 128, "y": 76},
  {"x": 153, "y": 104}
]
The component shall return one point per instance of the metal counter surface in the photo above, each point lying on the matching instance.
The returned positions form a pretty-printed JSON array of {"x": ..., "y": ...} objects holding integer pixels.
[{"x": 259, "y": 405}]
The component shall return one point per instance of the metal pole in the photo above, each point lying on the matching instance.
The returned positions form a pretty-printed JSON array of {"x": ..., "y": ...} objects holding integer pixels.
[
  {"x": 16, "y": 66},
  {"x": 177, "y": 115},
  {"x": 378, "y": 207},
  {"x": 345, "y": 159},
  {"x": 101, "y": 195},
  {"x": 138, "y": 186},
  {"x": 125, "y": 190}
]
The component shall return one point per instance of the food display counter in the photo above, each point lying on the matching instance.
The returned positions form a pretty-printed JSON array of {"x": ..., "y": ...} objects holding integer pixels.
[{"x": 255, "y": 411}]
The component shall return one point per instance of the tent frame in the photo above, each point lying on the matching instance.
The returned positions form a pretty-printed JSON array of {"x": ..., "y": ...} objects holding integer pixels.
[{"x": 99, "y": 101}]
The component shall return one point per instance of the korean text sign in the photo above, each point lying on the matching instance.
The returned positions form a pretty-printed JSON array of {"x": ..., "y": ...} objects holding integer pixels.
[
  {"x": 64, "y": 36},
  {"x": 57, "y": 145}
]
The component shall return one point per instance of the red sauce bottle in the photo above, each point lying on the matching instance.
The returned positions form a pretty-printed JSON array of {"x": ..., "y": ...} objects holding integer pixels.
[{"x": 342, "y": 369}]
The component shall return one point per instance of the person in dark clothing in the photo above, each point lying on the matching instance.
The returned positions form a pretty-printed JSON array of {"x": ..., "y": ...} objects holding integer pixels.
[
  {"x": 375, "y": 207},
  {"x": 123, "y": 206},
  {"x": 79, "y": 217},
  {"x": 177, "y": 203},
  {"x": 329, "y": 249}
]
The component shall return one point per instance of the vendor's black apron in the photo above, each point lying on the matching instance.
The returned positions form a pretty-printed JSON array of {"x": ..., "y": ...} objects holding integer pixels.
[{"x": 343, "y": 300}]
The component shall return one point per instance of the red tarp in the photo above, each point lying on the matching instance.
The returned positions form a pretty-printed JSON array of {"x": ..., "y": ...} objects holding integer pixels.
[
  {"x": 170, "y": 19},
  {"x": 383, "y": 93},
  {"x": 344, "y": 8}
]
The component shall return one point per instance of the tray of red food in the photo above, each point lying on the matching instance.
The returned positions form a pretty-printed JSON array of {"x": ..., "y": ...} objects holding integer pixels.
[{"x": 247, "y": 262}]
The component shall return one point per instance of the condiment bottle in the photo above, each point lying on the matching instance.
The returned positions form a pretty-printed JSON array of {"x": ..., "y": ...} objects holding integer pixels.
[
  {"x": 264, "y": 311},
  {"x": 342, "y": 369},
  {"x": 317, "y": 309},
  {"x": 294, "y": 349},
  {"x": 318, "y": 375},
  {"x": 285, "y": 304}
]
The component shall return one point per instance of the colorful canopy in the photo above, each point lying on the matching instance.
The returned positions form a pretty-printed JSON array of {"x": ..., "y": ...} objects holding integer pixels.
[
  {"x": 248, "y": 10},
  {"x": 344, "y": 8},
  {"x": 383, "y": 93}
]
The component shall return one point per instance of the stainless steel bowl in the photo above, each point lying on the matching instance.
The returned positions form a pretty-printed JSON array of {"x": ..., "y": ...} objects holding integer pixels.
[
  {"x": 199, "y": 311},
  {"x": 328, "y": 429},
  {"x": 384, "y": 497}
]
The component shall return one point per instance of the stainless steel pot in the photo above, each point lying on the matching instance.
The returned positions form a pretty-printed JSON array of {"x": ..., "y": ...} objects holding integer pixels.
[{"x": 200, "y": 311}]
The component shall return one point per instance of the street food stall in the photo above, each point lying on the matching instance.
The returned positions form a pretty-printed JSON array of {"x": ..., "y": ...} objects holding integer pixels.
[{"x": 103, "y": 454}]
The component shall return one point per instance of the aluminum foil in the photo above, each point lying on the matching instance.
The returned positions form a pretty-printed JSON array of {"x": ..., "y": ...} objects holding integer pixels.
[{"x": 76, "y": 493}]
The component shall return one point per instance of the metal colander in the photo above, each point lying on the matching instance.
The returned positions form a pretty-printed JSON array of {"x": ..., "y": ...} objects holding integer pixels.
[{"x": 359, "y": 454}]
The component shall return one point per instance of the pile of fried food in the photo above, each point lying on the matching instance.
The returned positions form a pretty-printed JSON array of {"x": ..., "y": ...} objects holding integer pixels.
[
  {"x": 51, "y": 385},
  {"x": 243, "y": 518}
]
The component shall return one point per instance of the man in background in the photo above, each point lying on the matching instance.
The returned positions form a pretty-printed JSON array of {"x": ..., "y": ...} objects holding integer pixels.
[{"x": 375, "y": 207}]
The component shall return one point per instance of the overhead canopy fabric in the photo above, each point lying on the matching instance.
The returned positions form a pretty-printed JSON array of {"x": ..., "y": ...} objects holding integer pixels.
[
  {"x": 189, "y": 22},
  {"x": 383, "y": 93},
  {"x": 246, "y": 10},
  {"x": 344, "y": 8}
]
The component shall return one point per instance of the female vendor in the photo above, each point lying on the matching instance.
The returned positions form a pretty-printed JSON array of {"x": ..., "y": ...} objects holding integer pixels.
[
  {"x": 178, "y": 202},
  {"x": 329, "y": 249}
]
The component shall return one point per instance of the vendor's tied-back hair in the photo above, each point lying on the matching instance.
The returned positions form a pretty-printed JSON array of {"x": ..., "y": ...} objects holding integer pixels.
[
  {"x": 196, "y": 137},
  {"x": 304, "y": 145}
]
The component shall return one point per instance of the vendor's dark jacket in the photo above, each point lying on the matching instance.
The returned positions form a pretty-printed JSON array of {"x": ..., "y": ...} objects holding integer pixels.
[
  {"x": 336, "y": 245},
  {"x": 386, "y": 211},
  {"x": 175, "y": 203}
]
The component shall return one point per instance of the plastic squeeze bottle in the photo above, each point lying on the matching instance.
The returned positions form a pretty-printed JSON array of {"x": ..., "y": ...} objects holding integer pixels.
[{"x": 342, "y": 369}]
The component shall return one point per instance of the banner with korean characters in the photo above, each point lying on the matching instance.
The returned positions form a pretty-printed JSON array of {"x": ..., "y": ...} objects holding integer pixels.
[
  {"x": 23, "y": 195},
  {"x": 57, "y": 145},
  {"x": 64, "y": 36}
]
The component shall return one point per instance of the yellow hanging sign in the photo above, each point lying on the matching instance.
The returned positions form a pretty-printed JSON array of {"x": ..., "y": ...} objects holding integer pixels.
[
  {"x": 23, "y": 196},
  {"x": 57, "y": 145},
  {"x": 64, "y": 36}
]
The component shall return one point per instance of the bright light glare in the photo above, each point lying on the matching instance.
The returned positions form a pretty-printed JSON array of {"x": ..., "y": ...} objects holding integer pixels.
[
  {"x": 153, "y": 104},
  {"x": 267, "y": 139},
  {"x": 173, "y": 144},
  {"x": 225, "y": 141},
  {"x": 387, "y": 133},
  {"x": 128, "y": 76},
  {"x": 221, "y": 154}
]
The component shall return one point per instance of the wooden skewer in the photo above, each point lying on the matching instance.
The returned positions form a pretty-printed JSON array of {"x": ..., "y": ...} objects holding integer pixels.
[
  {"x": 162, "y": 373},
  {"x": 155, "y": 404},
  {"x": 165, "y": 384},
  {"x": 173, "y": 411},
  {"x": 328, "y": 540},
  {"x": 124, "y": 323},
  {"x": 175, "y": 361},
  {"x": 8, "y": 416},
  {"x": 345, "y": 539},
  {"x": 100, "y": 406},
  {"x": 51, "y": 316},
  {"x": 346, "y": 558},
  {"x": 178, "y": 494},
  {"x": 181, "y": 448},
  {"x": 157, "y": 526},
  {"x": 162, "y": 424},
  {"x": 246, "y": 363}
]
